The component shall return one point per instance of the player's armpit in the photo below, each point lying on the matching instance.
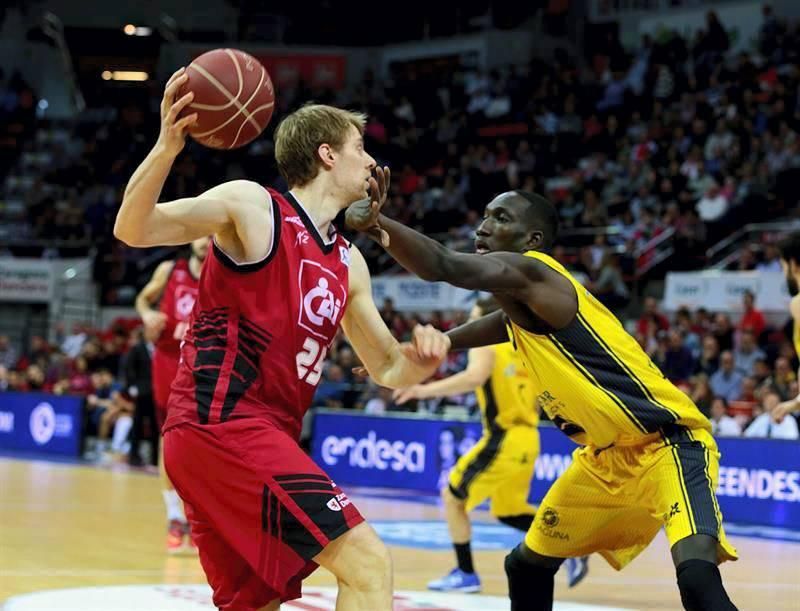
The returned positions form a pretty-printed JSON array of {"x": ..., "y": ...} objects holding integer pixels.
[{"x": 485, "y": 331}]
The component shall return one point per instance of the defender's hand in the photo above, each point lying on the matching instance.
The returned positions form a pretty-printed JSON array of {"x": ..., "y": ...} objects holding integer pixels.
[
  {"x": 172, "y": 137},
  {"x": 363, "y": 214}
]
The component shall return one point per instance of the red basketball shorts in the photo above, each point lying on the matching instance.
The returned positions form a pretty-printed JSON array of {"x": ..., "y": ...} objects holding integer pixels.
[
  {"x": 259, "y": 508},
  {"x": 164, "y": 369}
]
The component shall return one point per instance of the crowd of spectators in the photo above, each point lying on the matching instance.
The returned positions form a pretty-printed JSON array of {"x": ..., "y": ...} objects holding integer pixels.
[
  {"x": 676, "y": 134},
  {"x": 735, "y": 372}
]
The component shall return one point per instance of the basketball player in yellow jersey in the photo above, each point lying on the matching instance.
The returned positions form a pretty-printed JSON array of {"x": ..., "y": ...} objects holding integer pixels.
[
  {"x": 500, "y": 466},
  {"x": 647, "y": 458},
  {"x": 790, "y": 262}
]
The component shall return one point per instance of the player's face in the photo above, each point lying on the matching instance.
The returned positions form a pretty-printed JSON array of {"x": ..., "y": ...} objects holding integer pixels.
[
  {"x": 791, "y": 283},
  {"x": 353, "y": 167},
  {"x": 503, "y": 227},
  {"x": 200, "y": 248}
]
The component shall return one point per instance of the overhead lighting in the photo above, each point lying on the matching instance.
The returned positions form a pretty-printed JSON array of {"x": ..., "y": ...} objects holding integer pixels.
[
  {"x": 124, "y": 75},
  {"x": 133, "y": 30}
]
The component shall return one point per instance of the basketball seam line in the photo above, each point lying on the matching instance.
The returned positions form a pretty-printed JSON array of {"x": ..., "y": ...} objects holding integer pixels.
[
  {"x": 235, "y": 101},
  {"x": 231, "y": 100}
]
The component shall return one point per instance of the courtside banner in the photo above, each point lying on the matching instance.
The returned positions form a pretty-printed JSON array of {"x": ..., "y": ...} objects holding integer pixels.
[
  {"x": 759, "y": 480},
  {"x": 37, "y": 422}
]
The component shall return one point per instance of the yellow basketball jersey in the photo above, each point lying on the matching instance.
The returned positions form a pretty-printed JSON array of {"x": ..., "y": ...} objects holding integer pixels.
[
  {"x": 796, "y": 336},
  {"x": 508, "y": 397},
  {"x": 595, "y": 381}
]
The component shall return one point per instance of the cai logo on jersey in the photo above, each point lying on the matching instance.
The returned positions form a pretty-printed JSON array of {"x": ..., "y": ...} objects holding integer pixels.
[
  {"x": 185, "y": 297},
  {"x": 322, "y": 300}
]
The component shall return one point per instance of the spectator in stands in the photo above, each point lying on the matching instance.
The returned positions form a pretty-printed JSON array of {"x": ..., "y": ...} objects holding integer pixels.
[
  {"x": 331, "y": 391},
  {"x": 651, "y": 313},
  {"x": 765, "y": 426},
  {"x": 723, "y": 331},
  {"x": 8, "y": 353},
  {"x": 726, "y": 381},
  {"x": 610, "y": 288},
  {"x": 761, "y": 373},
  {"x": 683, "y": 321},
  {"x": 702, "y": 395},
  {"x": 708, "y": 363},
  {"x": 3, "y": 378},
  {"x": 679, "y": 364},
  {"x": 723, "y": 425},
  {"x": 381, "y": 402},
  {"x": 748, "y": 353},
  {"x": 782, "y": 379},
  {"x": 34, "y": 378},
  {"x": 752, "y": 318},
  {"x": 771, "y": 260}
]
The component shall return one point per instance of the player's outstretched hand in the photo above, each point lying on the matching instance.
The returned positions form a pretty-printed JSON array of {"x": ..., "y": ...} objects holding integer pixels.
[
  {"x": 428, "y": 346},
  {"x": 363, "y": 214},
  {"x": 172, "y": 137},
  {"x": 403, "y": 395}
]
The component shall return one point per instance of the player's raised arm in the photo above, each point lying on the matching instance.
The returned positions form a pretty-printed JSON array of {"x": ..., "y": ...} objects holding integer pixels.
[
  {"x": 224, "y": 210},
  {"x": 478, "y": 370},
  {"x": 388, "y": 362}
]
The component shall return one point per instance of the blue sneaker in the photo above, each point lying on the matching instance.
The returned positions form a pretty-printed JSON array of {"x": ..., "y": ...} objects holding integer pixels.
[
  {"x": 577, "y": 569},
  {"x": 457, "y": 581}
]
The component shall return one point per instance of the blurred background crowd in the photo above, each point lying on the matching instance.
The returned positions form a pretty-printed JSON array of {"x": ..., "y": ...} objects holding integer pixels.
[{"x": 674, "y": 142}]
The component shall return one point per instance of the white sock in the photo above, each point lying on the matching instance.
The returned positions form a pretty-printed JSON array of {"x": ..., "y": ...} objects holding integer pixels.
[
  {"x": 174, "y": 505},
  {"x": 122, "y": 427}
]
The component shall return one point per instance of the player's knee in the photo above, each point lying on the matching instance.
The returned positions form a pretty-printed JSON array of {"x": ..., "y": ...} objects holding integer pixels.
[
  {"x": 369, "y": 562},
  {"x": 451, "y": 496}
]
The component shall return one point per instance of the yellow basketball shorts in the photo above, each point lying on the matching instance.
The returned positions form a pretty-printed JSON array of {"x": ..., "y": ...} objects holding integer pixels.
[
  {"x": 614, "y": 501},
  {"x": 500, "y": 468}
]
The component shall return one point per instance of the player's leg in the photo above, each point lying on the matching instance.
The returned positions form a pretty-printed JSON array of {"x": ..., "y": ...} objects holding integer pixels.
[
  {"x": 531, "y": 578},
  {"x": 509, "y": 499},
  {"x": 471, "y": 481},
  {"x": 164, "y": 371},
  {"x": 363, "y": 569},
  {"x": 686, "y": 475}
]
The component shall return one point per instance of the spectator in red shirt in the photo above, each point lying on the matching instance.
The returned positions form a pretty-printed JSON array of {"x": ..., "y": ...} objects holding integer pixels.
[
  {"x": 651, "y": 313},
  {"x": 752, "y": 319}
]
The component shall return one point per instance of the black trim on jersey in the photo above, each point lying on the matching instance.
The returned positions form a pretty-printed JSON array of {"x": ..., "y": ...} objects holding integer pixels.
[
  {"x": 326, "y": 248},
  {"x": 252, "y": 343},
  {"x": 246, "y": 268},
  {"x": 301, "y": 477},
  {"x": 279, "y": 522},
  {"x": 592, "y": 381},
  {"x": 210, "y": 330},
  {"x": 650, "y": 396},
  {"x": 481, "y": 462},
  {"x": 585, "y": 348},
  {"x": 696, "y": 485},
  {"x": 491, "y": 404}
]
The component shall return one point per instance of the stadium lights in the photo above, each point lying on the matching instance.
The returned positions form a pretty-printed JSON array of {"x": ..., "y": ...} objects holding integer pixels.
[
  {"x": 133, "y": 30},
  {"x": 124, "y": 75}
]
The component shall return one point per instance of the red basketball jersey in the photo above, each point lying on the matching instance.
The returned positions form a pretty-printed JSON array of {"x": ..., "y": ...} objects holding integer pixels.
[
  {"x": 177, "y": 302},
  {"x": 260, "y": 331}
]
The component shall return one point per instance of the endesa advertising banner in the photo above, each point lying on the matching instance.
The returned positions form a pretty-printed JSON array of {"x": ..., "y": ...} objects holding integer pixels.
[
  {"x": 759, "y": 480},
  {"x": 36, "y": 422}
]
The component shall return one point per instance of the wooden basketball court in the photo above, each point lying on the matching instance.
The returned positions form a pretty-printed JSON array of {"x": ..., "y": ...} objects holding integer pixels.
[{"x": 68, "y": 526}]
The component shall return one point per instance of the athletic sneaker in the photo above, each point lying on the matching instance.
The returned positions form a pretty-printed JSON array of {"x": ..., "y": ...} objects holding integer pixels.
[
  {"x": 175, "y": 537},
  {"x": 577, "y": 569},
  {"x": 457, "y": 581}
]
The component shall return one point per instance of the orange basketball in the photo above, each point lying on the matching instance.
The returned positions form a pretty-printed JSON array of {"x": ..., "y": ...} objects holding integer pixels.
[{"x": 233, "y": 98}]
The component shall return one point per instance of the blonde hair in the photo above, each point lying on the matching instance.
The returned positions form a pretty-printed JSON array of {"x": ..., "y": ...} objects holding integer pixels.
[{"x": 300, "y": 135}]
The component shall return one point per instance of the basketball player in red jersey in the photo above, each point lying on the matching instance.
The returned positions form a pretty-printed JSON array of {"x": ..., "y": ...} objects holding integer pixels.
[
  {"x": 273, "y": 291},
  {"x": 174, "y": 287}
]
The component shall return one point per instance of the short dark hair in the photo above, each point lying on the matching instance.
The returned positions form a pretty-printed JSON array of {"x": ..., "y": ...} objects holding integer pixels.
[
  {"x": 543, "y": 214},
  {"x": 789, "y": 248}
]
